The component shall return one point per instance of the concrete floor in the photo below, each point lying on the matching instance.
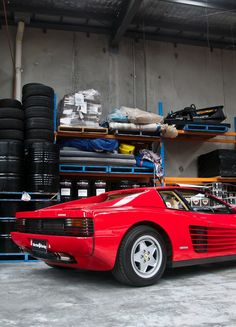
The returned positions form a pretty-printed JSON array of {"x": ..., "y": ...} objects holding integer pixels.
[{"x": 32, "y": 294}]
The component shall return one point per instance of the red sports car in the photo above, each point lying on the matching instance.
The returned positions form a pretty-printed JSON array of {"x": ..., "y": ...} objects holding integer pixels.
[{"x": 134, "y": 233}]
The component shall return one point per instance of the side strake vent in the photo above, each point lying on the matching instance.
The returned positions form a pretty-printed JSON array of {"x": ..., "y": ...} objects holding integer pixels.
[
  {"x": 213, "y": 239},
  {"x": 199, "y": 236},
  {"x": 56, "y": 226}
]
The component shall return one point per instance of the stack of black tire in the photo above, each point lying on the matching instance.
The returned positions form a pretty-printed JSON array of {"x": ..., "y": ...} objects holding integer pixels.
[
  {"x": 41, "y": 155},
  {"x": 42, "y": 166},
  {"x": 38, "y": 105},
  {"x": 11, "y": 145},
  {"x": 11, "y": 168}
]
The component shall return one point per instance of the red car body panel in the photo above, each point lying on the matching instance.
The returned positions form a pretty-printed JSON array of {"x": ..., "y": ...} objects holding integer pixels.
[{"x": 112, "y": 219}]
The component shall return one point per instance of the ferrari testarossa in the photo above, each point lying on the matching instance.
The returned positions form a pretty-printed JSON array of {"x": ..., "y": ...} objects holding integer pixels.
[{"x": 135, "y": 233}]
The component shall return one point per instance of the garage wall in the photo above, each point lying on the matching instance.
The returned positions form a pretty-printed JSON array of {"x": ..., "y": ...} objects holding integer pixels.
[{"x": 138, "y": 74}]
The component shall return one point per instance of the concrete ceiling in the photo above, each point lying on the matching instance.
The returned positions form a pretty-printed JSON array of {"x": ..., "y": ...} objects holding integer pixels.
[{"x": 209, "y": 23}]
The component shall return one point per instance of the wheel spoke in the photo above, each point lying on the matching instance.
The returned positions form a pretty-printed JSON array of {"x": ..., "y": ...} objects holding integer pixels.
[
  {"x": 142, "y": 246},
  {"x": 152, "y": 262},
  {"x": 137, "y": 257},
  {"x": 143, "y": 266},
  {"x": 151, "y": 248}
]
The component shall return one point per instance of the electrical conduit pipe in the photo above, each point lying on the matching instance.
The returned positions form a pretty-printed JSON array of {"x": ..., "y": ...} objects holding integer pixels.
[{"x": 18, "y": 60}]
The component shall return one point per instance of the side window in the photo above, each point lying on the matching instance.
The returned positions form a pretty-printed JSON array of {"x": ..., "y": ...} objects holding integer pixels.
[
  {"x": 172, "y": 201},
  {"x": 204, "y": 203}
]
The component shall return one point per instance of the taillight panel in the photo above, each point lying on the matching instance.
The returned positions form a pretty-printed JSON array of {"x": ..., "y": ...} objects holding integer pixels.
[{"x": 76, "y": 227}]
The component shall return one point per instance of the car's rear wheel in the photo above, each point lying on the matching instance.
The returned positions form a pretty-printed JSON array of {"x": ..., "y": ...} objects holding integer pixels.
[{"x": 142, "y": 257}]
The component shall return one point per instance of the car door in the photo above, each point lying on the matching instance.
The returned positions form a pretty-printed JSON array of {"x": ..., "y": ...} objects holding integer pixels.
[
  {"x": 187, "y": 227},
  {"x": 217, "y": 233}
]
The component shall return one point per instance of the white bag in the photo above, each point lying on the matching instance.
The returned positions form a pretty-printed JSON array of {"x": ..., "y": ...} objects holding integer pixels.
[{"x": 138, "y": 116}]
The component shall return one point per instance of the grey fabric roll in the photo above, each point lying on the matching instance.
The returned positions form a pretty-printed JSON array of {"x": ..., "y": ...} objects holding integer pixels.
[
  {"x": 70, "y": 152},
  {"x": 98, "y": 161}
]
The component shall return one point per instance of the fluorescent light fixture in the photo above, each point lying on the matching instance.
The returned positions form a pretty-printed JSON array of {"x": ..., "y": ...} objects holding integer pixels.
[{"x": 205, "y": 4}]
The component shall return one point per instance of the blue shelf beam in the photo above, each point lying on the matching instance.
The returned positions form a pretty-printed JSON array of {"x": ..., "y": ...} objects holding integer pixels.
[
  {"x": 162, "y": 151},
  {"x": 73, "y": 168}
]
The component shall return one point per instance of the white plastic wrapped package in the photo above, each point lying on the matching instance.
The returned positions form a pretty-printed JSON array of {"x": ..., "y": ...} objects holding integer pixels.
[
  {"x": 135, "y": 127},
  {"x": 168, "y": 131},
  {"x": 82, "y": 108}
]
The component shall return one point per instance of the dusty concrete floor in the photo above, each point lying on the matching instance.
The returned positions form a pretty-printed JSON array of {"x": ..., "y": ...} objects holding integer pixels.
[{"x": 32, "y": 294}]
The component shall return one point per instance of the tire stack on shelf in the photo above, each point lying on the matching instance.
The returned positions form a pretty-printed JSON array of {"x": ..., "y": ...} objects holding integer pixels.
[
  {"x": 11, "y": 145},
  {"x": 11, "y": 168},
  {"x": 42, "y": 166},
  {"x": 41, "y": 155},
  {"x": 38, "y": 104}
]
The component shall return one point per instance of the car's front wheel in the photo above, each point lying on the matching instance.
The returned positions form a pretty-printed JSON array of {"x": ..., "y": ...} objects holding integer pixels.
[{"x": 142, "y": 257}]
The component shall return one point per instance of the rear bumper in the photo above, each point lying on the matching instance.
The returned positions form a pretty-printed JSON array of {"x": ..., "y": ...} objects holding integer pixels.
[
  {"x": 54, "y": 257},
  {"x": 79, "y": 249}
]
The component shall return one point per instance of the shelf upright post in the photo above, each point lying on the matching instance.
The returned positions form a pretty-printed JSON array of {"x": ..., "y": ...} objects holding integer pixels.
[
  {"x": 235, "y": 130},
  {"x": 55, "y": 116},
  {"x": 162, "y": 145}
]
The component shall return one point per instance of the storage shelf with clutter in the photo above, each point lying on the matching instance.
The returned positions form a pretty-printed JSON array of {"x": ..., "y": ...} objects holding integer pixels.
[
  {"x": 133, "y": 126},
  {"x": 108, "y": 152}
]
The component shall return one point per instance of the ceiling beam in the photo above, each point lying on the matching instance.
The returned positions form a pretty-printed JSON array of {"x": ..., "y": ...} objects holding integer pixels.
[
  {"x": 181, "y": 40},
  {"x": 76, "y": 13},
  {"x": 177, "y": 27},
  {"x": 210, "y": 4},
  {"x": 124, "y": 20},
  {"x": 65, "y": 27},
  {"x": 137, "y": 35}
]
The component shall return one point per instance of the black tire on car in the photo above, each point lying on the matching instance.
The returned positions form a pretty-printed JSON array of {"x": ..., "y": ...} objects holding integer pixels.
[
  {"x": 38, "y": 100},
  {"x": 142, "y": 257},
  {"x": 11, "y": 103},
  {"x": 10, "y": 123},
  {"x": 11, "y": 134},
  {"x": 39, "y": 123},
  {"x": 37, "y": 111},
  {"x": 15, "y": 113},
  {"x": 37, "y": 89}
]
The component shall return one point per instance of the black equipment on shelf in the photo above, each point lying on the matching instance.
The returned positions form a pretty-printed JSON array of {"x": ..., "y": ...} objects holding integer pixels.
[{"x": 189, "y": 114}]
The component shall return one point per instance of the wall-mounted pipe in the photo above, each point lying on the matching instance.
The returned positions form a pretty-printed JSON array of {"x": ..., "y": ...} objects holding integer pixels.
[{"x": 18, "y": 60}]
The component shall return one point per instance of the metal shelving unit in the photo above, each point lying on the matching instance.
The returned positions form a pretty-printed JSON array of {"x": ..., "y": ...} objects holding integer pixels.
[
  {"x": 212, "y": 137},
  {"x": 144, "y": 174}
]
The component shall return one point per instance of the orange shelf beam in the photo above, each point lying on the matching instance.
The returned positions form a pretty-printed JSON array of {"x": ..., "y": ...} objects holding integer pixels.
[
  {"x": 182, "y": 132},
  {"x": 206, "y": 136},
  {"x": 198, "y": 180}
]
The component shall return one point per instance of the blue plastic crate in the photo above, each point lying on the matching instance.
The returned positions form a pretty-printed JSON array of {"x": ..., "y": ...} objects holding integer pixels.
[{"x": 206, "y": 128}]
